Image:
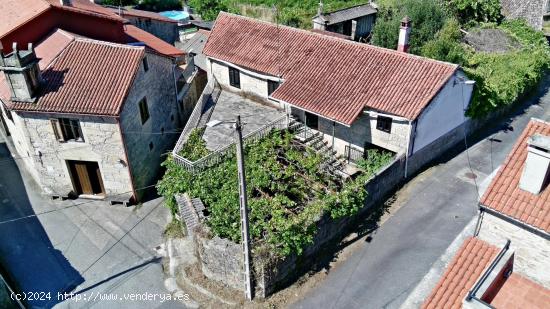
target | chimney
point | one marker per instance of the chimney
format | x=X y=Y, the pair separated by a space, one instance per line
x=536 y=173
x=404 y=34
x=22 y=73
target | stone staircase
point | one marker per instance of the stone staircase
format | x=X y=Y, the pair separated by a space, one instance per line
x=334 y=163
x=190 y=211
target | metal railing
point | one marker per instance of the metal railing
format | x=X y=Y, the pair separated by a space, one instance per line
x=195 y=117
x=353 y=154
x=217 y=156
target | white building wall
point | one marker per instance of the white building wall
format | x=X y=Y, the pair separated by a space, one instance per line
x=444 y=113
x=252 y=86
x=24 y=151
x=532 y=258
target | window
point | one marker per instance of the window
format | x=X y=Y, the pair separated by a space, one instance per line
x=312 y=121
x=234 y=78
x=271 y=86
x=151 y=146
x=143 y=110
x=145 y=64
x=8 y=114
x=66 y=129
x=383 y=123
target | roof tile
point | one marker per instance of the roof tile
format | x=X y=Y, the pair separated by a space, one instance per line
x=333 y=77
x=504 y=194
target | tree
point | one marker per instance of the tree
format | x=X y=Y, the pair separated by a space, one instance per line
x=475 y=10
x=427 y=17
x=447 y=45
x=119 y=2
x=209 y=9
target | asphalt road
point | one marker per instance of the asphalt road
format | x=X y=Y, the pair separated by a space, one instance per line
x=441 y=201
x=103 y=253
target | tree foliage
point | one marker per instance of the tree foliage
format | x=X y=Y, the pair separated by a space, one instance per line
x=195 y=147
x=209 y=9
x=468 y=11
x=447 y=45
x=427 y=17
x=288 y=193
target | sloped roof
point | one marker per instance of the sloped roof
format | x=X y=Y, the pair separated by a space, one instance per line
x=156 y=44
x=353 y=12
x=473 y=257
x=140 y=13
x=18 y=12
x=504 y=194
x=81 y=76
x=332 y=77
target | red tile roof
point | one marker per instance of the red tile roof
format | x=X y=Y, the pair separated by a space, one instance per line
x=18 y=12
x=84 y=77
x=15 y=13
x=332 y=77
x=462 y=273
x=124 y=12
x=504 y=194
x=520 y=292
x=137 y=35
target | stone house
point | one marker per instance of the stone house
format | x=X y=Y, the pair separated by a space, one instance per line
x=357 y=95
x=164 y=28
x=511 y=249
x=533 y=11
x=92 y=118
x=355 y=22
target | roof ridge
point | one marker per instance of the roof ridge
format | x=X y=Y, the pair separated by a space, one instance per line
x=535 y=119
x=357 y=44
x=351 y=7
x=100 y=42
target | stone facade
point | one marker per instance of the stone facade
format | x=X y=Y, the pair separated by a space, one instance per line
x=166 y=31
x=128 y=152
x=148 y=143
x=532 y=252
x=530 y=10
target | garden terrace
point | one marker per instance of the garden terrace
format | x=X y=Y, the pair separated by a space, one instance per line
x=287 y=189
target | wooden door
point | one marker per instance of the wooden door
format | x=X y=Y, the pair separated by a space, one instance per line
x=86 y=177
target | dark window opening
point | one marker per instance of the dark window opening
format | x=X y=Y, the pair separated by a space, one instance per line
x=9 y=115
x=161 y=131
x=66 y=129
x=272 y=86
x=383 y=123
x=172 y=118
x=151 y=146
x=181 y=83
x=143 y=110
x=145 y=64
x=312 y=121
x=234 y=78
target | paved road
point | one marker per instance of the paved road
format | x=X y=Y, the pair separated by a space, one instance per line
x=83 y=248
x=441 y=201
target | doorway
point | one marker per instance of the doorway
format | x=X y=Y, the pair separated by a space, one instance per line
x=86 y=178
x=312 y=121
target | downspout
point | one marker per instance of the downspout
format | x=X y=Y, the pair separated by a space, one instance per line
x=408 y=149
x=333 y=129
x=127 y=161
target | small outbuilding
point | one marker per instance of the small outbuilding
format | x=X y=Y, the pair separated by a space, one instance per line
x=356 y=22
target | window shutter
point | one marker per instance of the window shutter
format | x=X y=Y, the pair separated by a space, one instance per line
x=56 y=129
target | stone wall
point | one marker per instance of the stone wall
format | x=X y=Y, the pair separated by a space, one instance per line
x=532 y=252
x=148 y=143
x=530 y=10
x=166 y=31
x=102 y=143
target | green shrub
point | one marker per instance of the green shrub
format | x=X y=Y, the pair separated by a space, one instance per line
x=468 y=11
x=209 y=9
x=287 y=193
x=195 y=147
x=159 y=5
x=447 y=45
x=427 y=17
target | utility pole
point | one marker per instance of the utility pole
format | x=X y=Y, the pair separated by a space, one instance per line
x=245 y=235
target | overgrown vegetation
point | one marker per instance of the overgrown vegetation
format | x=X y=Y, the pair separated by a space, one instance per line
x=474 y=11
x=174 y=229
x=427 y=16
x=195 y=147
x=287 y=190
x=148 y=5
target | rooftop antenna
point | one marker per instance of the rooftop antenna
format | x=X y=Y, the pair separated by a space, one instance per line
x=320 y=9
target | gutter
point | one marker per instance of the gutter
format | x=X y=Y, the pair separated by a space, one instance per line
x=515 y=222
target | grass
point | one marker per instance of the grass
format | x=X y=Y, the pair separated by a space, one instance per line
x=174 y=229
